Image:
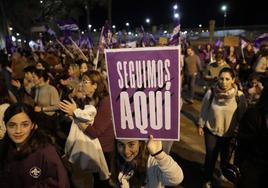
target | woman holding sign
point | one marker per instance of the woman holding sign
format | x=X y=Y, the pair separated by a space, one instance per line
x=138 y=164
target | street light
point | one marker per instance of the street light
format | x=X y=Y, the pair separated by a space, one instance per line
x=175 y=7
x=224 y=9
x=176 y=15
x=148 y=20
x=127 y=24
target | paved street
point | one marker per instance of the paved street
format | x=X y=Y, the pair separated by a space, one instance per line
x=189 y=152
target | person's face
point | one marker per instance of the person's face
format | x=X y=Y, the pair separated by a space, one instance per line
x=220 y=61
x=39 y=66
x=36 y=80
x=249 y=47
x=88 y=87
x=226 y=81
x=83 y=68
x=254 y=82
x=28 y=76
x=190 y=52
x=128 y=149
x=19 y=128
x=70 y=71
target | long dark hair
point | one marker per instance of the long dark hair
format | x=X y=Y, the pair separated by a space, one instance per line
x=139 y=165
x=35 y=140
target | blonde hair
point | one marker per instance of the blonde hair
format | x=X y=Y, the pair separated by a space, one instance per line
x=75 y=68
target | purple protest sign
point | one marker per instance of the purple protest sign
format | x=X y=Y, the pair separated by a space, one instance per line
x=144 y=91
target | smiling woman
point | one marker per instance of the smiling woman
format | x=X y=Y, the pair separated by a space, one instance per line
x=30 y=151
x=140 y=164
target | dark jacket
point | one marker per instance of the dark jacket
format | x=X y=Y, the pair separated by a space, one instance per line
x=40 y=169
x=253 y=139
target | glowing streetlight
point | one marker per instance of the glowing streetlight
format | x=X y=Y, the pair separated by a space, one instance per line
x=89 y=26
x=82 y=32
x=127 y=24
x=224 y=9
x=176 y=15
x=113 y=26
x=41 y=2
x=147 y=20
x=200 y=25
x=10 y=28
x=17 y=34
x=13 y=38
x=94 y=30
x=175 y=7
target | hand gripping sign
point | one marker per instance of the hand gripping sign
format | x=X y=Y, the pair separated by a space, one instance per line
x=144 y=91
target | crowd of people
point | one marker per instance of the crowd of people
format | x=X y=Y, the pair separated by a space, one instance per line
x=43 y=95
x=47 y=99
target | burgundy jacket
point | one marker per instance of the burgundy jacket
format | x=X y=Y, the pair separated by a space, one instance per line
x=41 y=169
x=102 y=127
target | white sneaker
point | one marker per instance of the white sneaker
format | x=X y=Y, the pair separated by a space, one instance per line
x=208 y=184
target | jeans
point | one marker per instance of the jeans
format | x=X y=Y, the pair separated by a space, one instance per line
x=215 y=145
x=190 y=80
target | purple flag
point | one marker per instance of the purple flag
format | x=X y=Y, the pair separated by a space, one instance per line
x=218 y=43
x=10 y=45
x=175 y=36
x=67 y=25
x=243 y=42
x=51 y=32
x=261 y=39
x=85 y=42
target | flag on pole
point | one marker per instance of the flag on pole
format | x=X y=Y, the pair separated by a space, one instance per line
x=51 y=32
x=67 y=25
x=85 y=42
x=10 y=45
x=261 y=39
x=175 y=36
x=243 y=43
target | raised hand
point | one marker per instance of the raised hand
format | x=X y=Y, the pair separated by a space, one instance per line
x=68 y=107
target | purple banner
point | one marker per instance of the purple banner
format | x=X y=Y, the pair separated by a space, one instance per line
x=144 y=90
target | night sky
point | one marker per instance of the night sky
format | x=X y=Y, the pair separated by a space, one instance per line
x=193 y=12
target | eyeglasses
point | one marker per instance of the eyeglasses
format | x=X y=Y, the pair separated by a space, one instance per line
x=86 y=82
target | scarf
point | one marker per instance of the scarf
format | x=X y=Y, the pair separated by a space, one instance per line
x=221 y=95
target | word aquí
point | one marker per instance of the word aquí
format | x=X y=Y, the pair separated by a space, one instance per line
x=145 y=74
